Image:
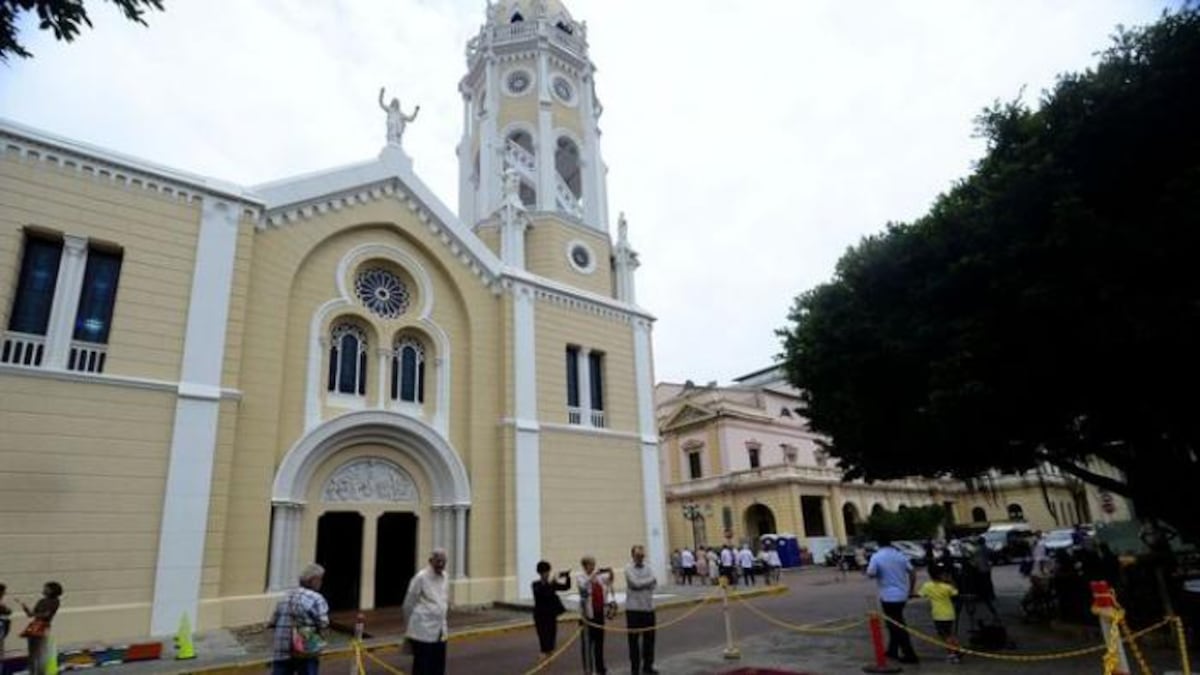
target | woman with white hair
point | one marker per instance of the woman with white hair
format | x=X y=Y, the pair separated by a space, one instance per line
x=298 y=620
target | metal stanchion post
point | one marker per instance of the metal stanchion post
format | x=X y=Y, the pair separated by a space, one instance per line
x=731 y=651
x=881 y=664
x=875 y=626
x=355 y=662
x=1104 y=606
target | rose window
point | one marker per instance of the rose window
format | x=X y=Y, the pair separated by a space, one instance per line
x=382 y=292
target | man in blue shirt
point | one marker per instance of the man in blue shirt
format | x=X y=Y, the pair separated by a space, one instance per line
x=894 y=576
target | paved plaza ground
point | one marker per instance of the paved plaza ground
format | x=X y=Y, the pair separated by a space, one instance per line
x=691 y=640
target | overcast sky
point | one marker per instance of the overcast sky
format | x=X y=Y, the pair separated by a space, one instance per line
x=749 y=143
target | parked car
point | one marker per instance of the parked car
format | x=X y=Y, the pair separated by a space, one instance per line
x=912 y=550
x=851 y=555
x=1008 y=542
x=1059 y=539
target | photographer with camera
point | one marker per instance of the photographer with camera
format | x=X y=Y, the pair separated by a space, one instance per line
x=596 y=603
x=547 y=606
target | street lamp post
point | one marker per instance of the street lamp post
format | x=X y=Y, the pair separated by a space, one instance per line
x=692 y=512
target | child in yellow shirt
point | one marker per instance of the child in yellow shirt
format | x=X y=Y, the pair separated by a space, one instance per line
x=941 y=605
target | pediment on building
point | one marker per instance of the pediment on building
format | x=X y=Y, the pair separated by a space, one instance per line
x=291 y=201
x=688 y=413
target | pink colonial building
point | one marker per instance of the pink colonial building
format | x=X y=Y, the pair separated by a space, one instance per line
x=738 y=461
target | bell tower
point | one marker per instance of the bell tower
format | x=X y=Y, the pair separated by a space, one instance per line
x=530 y=108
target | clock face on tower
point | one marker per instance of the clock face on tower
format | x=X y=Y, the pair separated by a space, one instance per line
x=563 y=89
x=518 y=81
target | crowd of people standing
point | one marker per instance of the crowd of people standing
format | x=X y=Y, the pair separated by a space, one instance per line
x=707 y=565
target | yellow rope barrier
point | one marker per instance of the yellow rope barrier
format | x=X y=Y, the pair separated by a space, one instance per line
x=386 y=666
x=1044 y=656
x=816 y=628
x=1137 y=650
x=557 y=653
x=610 y=628
x=1181 y=638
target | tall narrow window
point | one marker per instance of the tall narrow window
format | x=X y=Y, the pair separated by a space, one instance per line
x=98 y=296
x=35 y=286
x=752 y=452
x=408 y=371
x=694 y=469
x=596 y=377
x=572 y=376
x=348 y=360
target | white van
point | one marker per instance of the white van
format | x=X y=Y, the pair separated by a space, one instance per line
x=1007 y=542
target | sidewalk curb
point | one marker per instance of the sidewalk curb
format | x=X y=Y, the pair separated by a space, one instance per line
x=387 y=645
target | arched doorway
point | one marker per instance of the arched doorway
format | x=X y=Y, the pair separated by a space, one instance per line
x=401 y=481
x=850 y=519
x=978 y=515
x=759 y=520
x=339 y=551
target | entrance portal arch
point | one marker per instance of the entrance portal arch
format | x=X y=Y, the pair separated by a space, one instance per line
x=421 y=446
x=759 y=520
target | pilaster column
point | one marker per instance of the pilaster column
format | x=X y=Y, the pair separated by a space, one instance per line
x=384 y=375
x=184 y=526
x=460 y=541
x=61 y=327
x=652 y=497
x=527 y=490
x=317 y=348
x=285 y=544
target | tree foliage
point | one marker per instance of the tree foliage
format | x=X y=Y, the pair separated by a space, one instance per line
x=64 y=17
x=914 y=523
x=1046 y=309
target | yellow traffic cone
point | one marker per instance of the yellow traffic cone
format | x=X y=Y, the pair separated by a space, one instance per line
x=51 y=655
x=184 y=649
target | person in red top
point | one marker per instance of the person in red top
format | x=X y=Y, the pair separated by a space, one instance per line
x=595 y=601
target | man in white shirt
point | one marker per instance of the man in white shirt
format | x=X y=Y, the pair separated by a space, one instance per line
x=746 y=561
x=687 y=560
x=639 y=612
x=425 y=607
x=727 y=564
x=896 y=579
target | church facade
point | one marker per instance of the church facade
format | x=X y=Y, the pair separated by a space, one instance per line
x=204 y=386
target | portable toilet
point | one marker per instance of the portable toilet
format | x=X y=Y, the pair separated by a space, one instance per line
x=767 y=541
x=789 y=549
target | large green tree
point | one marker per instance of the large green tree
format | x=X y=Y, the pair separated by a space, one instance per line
x=64 y=17
x=1047 y=308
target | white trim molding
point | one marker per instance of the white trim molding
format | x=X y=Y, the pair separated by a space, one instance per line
x=652 y=496
x=184 y=524
x=527 y=490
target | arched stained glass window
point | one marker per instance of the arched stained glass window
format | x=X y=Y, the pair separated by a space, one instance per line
x=408 y=370
x=347 y=359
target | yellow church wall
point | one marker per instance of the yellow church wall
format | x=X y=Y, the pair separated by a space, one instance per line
x=558 y=326
x=84 y=467
x=275 y=353
x=158 y=235
x=517 y=109
x=598 y=476
x=546 y=254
